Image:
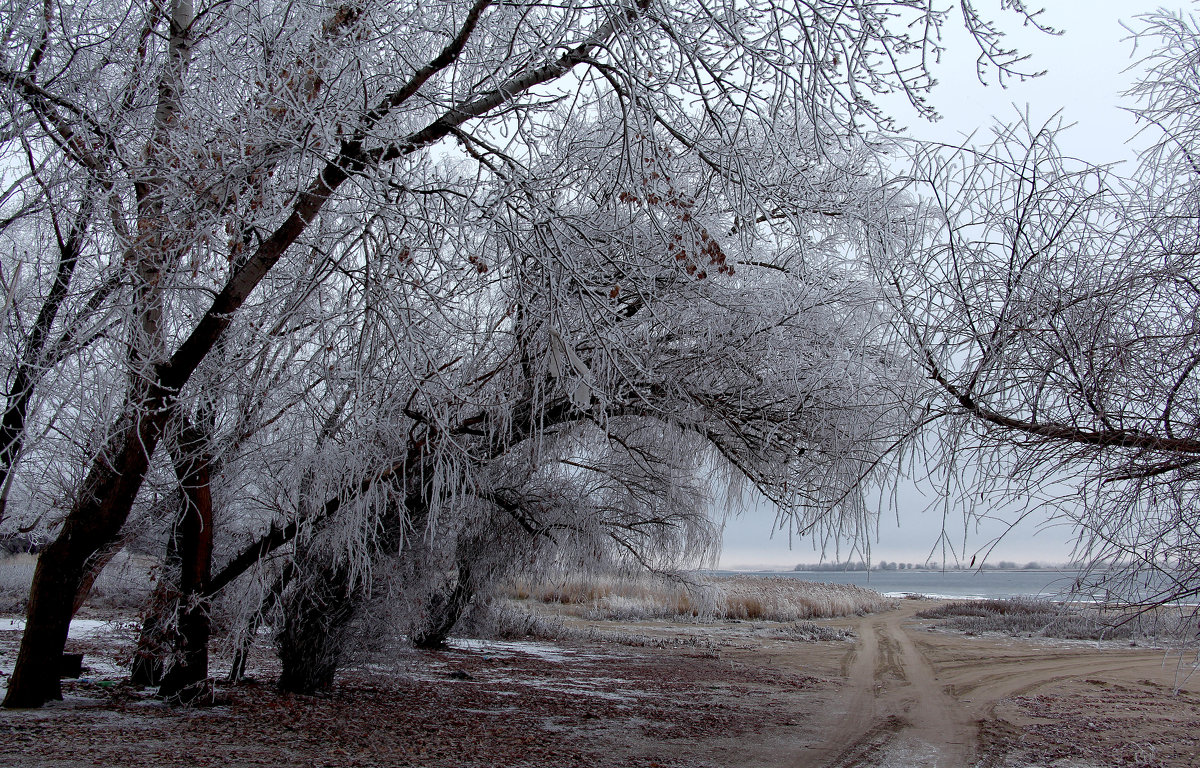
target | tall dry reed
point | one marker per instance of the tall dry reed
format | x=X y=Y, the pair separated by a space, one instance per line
x=700 y=598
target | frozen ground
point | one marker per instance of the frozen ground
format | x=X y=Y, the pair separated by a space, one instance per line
x=895 y=693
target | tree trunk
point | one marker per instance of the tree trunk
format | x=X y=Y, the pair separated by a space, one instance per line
x=316 y=615
x=195 y=535
x=36 y=677
x=94 y=522
x=153 y=640
x=96 y=565
x=444 y=612
x=156 y=634
x=237 y=670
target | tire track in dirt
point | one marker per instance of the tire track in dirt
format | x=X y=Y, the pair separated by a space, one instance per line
x=920 y=698
x=981 y=676
x=1026 y=675
x=895 y=710
x=858 y=735
x=868 y=748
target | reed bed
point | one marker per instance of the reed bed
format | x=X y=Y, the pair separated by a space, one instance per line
x=707 y=598
x=786 y=599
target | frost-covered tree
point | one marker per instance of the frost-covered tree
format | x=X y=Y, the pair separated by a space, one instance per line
x=1053 y=306
x=265 y=236
x=611 y=362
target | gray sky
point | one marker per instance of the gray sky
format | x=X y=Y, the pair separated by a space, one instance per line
x=1088 y=67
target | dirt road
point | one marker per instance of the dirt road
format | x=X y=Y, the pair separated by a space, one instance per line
x=914 y=697
x=895 y=710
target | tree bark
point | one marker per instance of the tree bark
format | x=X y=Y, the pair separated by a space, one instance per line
x=193 y=464
x=94 y=522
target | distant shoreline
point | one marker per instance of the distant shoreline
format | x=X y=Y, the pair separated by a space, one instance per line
x=959 y=584
x=948 y=569
x=950 y=584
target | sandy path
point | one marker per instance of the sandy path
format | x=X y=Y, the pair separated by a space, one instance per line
x=894 y=710
x=918 y=698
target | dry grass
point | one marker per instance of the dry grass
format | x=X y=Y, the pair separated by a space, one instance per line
x=123 y=584
x=1042 y=618
x=782 y=598
x=808 y=632
x=16 y=574
x=710 y=598
x=518 y=620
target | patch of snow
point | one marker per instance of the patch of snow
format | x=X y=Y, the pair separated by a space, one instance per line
x=582 y=690
x=80 y=629
x=581 y=687
x=909 y=752
x=544 y=651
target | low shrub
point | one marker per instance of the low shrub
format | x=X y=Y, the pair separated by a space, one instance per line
x=808 y=632
x=501 y=620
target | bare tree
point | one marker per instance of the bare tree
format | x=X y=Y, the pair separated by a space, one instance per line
x=1053 y=305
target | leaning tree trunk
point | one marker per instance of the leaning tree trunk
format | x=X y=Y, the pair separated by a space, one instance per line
x=316 y=615
x=94 y=522
x=95 y=567
x=444 y=611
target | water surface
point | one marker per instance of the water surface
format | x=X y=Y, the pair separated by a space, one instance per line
x=946 y=584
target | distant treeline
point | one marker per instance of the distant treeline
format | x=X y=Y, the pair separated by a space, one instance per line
x=886 y=565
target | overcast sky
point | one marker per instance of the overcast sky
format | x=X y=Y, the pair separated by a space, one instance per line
x=1087 y=68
